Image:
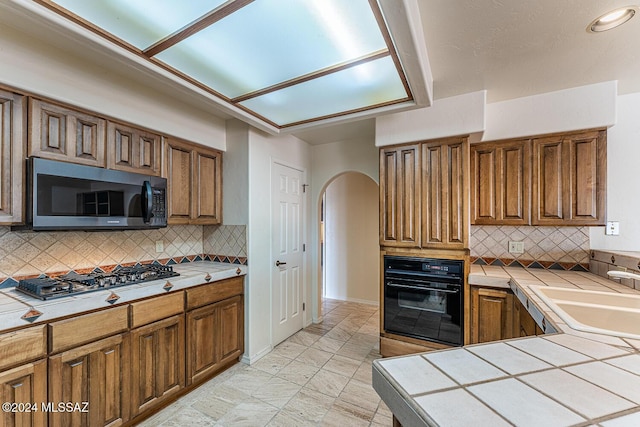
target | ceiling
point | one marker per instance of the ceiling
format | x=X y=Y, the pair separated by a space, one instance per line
x=519 y=48
x=509 y=48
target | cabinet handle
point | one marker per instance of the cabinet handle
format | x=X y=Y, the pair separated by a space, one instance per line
x=16 y=385
x=74 y=364
x=278 y=263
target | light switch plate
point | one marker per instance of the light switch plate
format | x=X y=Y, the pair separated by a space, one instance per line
x=159 y=246
x=613 y=228
x=516 y=247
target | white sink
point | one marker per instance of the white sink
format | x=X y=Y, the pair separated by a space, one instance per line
x=593 y=311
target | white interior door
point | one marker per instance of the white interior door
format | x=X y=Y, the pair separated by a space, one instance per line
x=286 y=283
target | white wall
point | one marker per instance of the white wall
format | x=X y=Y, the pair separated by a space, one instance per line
x=582 y=107
x=329 y=161
x=263 y=150
x=38 y=68
x=623 y=178
x=352 y=263
x=235 y=174
x=457 y=115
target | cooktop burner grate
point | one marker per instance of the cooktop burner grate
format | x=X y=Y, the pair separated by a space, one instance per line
x=45 y=288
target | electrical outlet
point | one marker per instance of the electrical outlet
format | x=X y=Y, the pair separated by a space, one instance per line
x=613 y=228
x=159 y=246
x=516 y=247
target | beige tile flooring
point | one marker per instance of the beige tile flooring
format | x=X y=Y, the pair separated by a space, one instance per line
x=319 y=376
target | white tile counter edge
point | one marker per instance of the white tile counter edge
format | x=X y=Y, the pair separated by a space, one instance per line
x=409 y=413
x=13 y=304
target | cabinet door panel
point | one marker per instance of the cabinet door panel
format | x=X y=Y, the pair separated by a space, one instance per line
x=551 y=165
x=93 y=373
x=231 y=330
x=445 y=194
x=400 y=196
x=388 y=196
x=13 y=130
x=432 y=188
x=157 y=363
x=515 y=183
x=201 y=345
x=587 y=172
x=207 y=198
x=133 y=150
x=60 y=133
x=179 y=184
x=456 y=196
x=24 y=384
x=483 y=183
x=491 y=314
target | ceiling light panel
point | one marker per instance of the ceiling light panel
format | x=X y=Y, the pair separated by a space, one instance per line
x=271 y=41
x=374 y=83
x=140 y=23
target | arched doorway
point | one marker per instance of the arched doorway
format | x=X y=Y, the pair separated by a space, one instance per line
x=349 y=251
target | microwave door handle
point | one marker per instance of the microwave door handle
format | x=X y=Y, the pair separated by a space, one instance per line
x=147 y=202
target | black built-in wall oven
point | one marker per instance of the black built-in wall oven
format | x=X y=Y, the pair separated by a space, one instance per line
x=423 y=298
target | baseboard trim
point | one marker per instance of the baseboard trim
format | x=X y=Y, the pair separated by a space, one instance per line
x=360 y=301
x=250 y=360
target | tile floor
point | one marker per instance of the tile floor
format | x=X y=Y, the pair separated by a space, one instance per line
x=320 y=376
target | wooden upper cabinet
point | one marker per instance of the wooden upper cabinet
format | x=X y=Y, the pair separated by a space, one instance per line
x=207 y=187
x=445 y=194
x=13 y=133
x=400 y=196
x=569 y=179
x=587 y=178
x=501 y=183
x=194 y=175
x=134 y=150
x=60 y=133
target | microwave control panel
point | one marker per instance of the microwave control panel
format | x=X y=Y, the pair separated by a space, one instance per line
x=159 y=205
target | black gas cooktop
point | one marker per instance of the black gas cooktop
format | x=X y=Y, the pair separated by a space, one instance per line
x=73 y=283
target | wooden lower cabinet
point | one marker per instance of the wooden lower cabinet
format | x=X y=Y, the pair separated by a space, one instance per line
x=97 y=373
x=526 y=325
x=491 y=314
x=215 y=337
x=497 y=314
x=26 y=384
x=157 y=363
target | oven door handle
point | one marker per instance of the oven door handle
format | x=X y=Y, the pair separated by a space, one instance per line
x=419 y=288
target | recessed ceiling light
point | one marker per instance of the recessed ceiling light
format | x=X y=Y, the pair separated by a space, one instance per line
x=612 y=19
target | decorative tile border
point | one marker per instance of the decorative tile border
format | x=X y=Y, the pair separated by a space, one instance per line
x=548 y=265
x=9 y=282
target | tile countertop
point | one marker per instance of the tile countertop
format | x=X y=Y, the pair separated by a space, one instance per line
x=14 y=305
x=570 y=378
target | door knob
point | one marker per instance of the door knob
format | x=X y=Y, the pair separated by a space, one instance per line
x=278 y=263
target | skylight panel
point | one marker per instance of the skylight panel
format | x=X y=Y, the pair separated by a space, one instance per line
x=371 y=84
x=140 y=23
x=271 y=41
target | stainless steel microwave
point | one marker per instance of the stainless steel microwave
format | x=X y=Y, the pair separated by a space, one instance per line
x=66 y=196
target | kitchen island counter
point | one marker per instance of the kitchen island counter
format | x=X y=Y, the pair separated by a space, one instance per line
x=565 y=379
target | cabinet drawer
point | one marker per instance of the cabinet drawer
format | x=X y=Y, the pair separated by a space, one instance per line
x=90 y=327
x=22 y=346
x=157 y=308
x=212 y=292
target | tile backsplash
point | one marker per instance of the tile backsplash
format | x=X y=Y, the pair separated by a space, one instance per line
x=545 y=247
x=226 y=241
x=603 y=261
x=25 y=253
